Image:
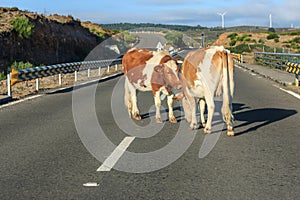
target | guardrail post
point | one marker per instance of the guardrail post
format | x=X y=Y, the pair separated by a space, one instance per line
x=59 y=80
x=37 y=84
x=116 y=67
x=89 y=72
x=75 y=76
x=99 y=71
x=8 y=85
x=108 y=68
x=297 y=80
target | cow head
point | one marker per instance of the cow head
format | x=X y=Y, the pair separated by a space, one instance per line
x=168 y=73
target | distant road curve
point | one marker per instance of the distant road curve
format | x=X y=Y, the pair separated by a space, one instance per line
x=149 y=40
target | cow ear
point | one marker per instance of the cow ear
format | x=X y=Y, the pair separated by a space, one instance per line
x=158 y=68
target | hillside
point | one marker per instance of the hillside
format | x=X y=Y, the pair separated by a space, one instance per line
x=247 y=43
x=53 y=39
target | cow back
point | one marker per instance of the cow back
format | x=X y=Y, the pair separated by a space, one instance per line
x=135 y=58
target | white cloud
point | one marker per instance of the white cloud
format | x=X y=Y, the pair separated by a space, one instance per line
x=204 y=13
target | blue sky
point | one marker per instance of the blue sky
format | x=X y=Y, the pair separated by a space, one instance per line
x=187 y=12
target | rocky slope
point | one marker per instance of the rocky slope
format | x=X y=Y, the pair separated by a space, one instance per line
x=55 y=39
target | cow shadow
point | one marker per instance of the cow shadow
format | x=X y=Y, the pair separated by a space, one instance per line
x=164 y=112
x=258 y=118
x=244 y=116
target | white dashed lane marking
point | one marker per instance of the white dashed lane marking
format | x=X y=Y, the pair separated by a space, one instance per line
x=110 y=162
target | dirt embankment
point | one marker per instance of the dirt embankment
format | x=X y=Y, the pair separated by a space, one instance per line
x=256 y=38
x=55 y=39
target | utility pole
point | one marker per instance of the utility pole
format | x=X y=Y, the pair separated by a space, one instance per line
x=202 y=41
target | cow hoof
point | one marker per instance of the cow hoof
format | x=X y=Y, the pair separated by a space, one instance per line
x=203 y=125
x=173 y=120
x=230 y=133
x=158 y=120
x=137 y=117
x=207 y=131
x=188 y=120
x=193 y=126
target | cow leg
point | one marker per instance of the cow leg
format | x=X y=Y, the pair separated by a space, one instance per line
x=172 y=118
x=202 y=109
x=190 y=101
x=228 y=118
x=187 y=110
x=157 y=105
x=127 y=98
x=134 y=109
x=230 y=131
x=211 y=109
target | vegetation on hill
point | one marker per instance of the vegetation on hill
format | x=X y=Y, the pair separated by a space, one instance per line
x=239 y=42
x=38 y=39
x=149 y=26
x=22 y=26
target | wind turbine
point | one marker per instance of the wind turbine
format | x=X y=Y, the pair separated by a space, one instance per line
x=270 y=17
x=222 y=15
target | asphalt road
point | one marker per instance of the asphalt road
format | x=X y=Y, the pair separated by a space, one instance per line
x=150 y=40
x=50 y=147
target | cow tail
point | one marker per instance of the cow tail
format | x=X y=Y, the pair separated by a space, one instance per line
x=231 y=74
x=227 y=88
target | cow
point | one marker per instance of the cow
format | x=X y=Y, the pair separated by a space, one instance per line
x=207 y=73
x=146 y=70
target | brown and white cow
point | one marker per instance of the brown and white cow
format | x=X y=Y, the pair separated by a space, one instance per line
x=146 y=70
x=207 y=73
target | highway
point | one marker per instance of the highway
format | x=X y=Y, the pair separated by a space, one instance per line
x=52 y=145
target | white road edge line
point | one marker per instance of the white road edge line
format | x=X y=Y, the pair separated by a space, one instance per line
x=110 y=162
x=19 y=101
x=290 y=92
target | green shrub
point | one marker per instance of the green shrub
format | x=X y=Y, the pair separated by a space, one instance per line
x=174 y=38
x=261 y=41
x=247 y=39
x=232 y=42
x=2 y=76
x=232 y=36
x=127 y=37
x=239 y=49
x=272 y=36
x=294 y=45
x=244 y=37
x=276 y=40
x=20 y=65
x=100 y=35
x=296 y=40
x=22 y=26
x=291 y=33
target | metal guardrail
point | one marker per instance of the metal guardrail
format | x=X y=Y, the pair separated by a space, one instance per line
x=44 y=71
x=64 y=68
x=276 y=60
x=284 y=61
